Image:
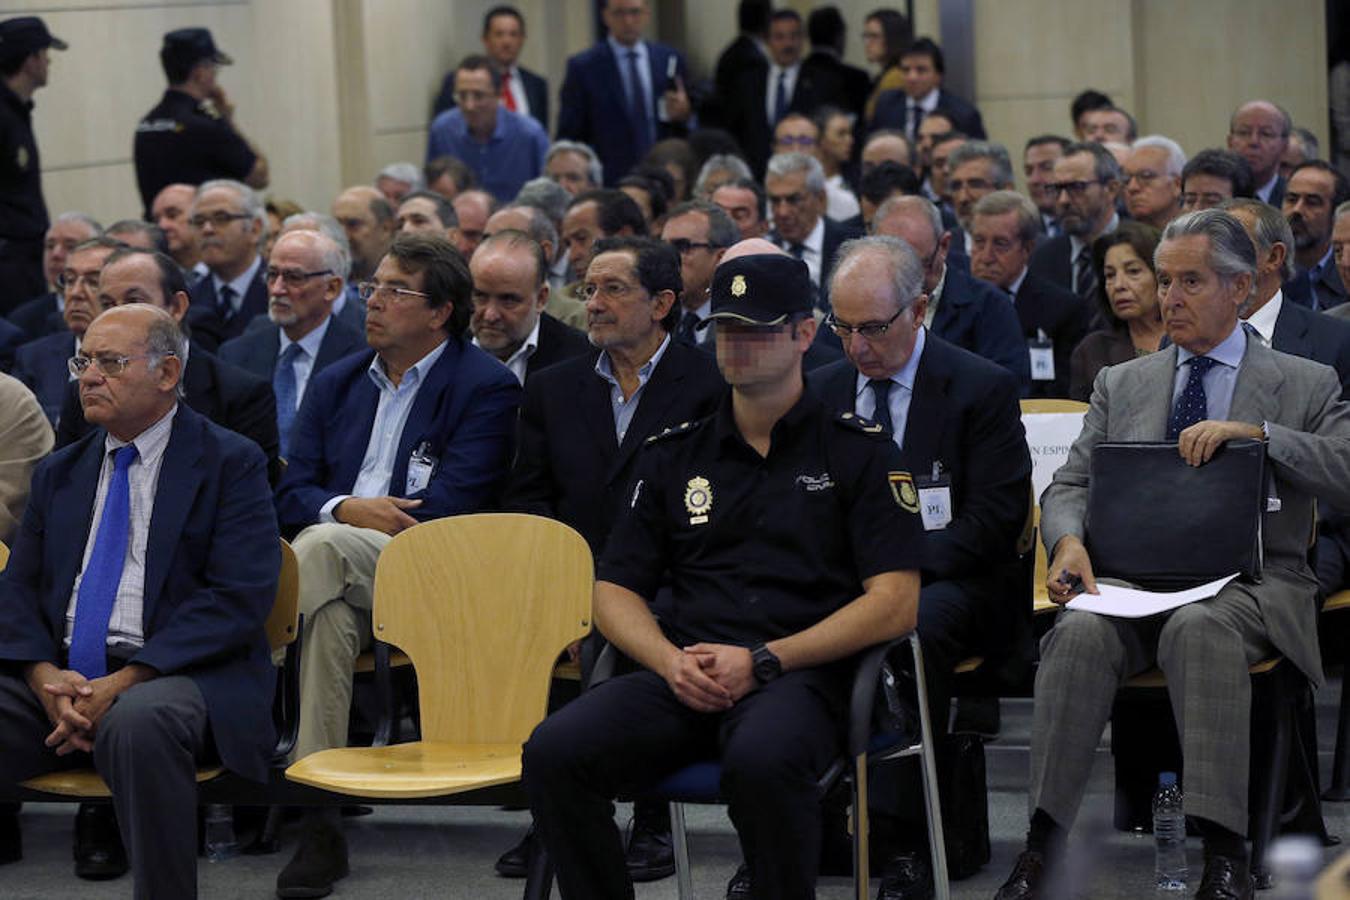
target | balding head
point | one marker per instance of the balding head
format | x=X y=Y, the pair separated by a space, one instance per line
x=305 y=275
x=751 y=247
x=368 y=220
x=917 y=222
x=133 y=395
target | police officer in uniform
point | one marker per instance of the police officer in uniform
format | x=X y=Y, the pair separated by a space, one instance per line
x=24 y=45
x=789 y=539
x=190 y=137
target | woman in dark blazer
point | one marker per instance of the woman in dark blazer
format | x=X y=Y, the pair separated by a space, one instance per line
x=1127 y=297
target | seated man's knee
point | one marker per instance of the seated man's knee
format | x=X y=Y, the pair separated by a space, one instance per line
x=550 y=749
x=1191 y=629
x=321 y=539
x=136 y=719
x=759 y=770
x=1082 y=632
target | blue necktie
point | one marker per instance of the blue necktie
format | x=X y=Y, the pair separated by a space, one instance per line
x=283 y=385
x=780 y=98
x=1190 y=407
x=637 y=103
x=881 y=390
x=98 y=587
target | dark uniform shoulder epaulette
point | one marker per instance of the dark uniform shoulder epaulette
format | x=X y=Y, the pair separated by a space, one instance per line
x=675 y=431
x=855 y=422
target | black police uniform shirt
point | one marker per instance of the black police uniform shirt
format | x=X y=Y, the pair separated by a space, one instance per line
x=185 y=141
x=23 y=213
x=760 y=547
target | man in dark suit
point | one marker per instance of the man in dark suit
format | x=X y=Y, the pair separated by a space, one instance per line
x=956 y=420
x=835 y=82
x=41 y=364
x=41 y=315
x=1086 y=184
x=151 y=548
x=231 y=398
x=305 y=275
x=523 y=91
x=746 y=53
x=961 y=310
x=1259 y=132
x=795 y=185
x=1315 y=190
x=923 y=94
x=700 y=232
x=1004 y=228
x=417 y=428
x=229 y=219
x=624 y=94
x=510 y=291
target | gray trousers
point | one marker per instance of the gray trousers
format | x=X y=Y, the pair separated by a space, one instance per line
x=146 y=748
x=1204 y=649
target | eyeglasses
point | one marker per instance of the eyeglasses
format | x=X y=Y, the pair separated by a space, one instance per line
x=800 y=140
x=973 y=184
x=69 y=279
x=293 y=278
x=217 y=219
x=1075 y=188
x=610 y=290
x=387 y=292
x=107 y=365
x=868 y=330
x=1144 y=176
x=684 y=245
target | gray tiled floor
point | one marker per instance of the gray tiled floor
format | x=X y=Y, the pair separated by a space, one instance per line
x=448 y=852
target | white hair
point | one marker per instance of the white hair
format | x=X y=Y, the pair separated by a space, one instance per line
x=1176 y=157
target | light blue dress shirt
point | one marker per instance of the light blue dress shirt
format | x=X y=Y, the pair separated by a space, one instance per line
x=1219 y=380
x=625 y=409
x=865 y=401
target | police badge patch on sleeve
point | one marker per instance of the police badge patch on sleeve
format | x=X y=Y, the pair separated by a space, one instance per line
x=903 y=490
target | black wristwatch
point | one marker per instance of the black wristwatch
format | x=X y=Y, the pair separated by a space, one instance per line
x=766 y=665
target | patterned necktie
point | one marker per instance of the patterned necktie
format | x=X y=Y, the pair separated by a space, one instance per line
x=881 y=390
x=684 y=332
x=508 y=97
x=780 y=97
x=225 y=303
x=98 y=587
x=1084 y=278
x=636 y=103
x=284 y=386
x=1190 y=406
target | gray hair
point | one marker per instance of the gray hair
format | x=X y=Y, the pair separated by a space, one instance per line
x=1104 y=165
x=164 y=338
x=539 y=227
x=249 y=199
x=83 y=218
x=1176 y=157
x=405 y=172
x=720 y=162
x=1271 y=228
x=1000 y=203
x=997 y=154
x=1342 y=210
x=906 y=269
x=327 y=226
x=722 y=232
x=545 y=195
x=1307 y=141
x=593 y=166
x=148 y=230
x=1231 y=250
x=908 y=202
x=783 y=164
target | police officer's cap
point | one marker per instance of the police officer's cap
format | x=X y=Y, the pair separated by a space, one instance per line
x=762 y=289
x=187 y=46
x=23 y=35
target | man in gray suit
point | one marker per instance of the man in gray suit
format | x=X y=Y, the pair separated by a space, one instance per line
x=1213 y=385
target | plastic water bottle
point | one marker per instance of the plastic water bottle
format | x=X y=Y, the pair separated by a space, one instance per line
x=219 y=838
x=1169 y=835
x=1294 y=861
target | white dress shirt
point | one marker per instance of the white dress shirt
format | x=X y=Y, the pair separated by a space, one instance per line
x=521 y=358
x=771 y=91
x=1263 y=320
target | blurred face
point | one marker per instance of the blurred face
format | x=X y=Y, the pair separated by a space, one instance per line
x=915 y=230
x=743 y=207
x=689 y=235
x=1038 y=164
x=130 y=402
x=1340 y=247
x=581 y=229
x=1082 y=202
x=1294 y=155
x=836 y=144
x=967 y=183
x=516 y=220
x=393 y=189
x=476 y=99
x=1203 y=191
x=1258 y=135
x=571 y=170
x=507 y=298
x=796 y=210
x=642 y=198
x=1199 y=309
x=136 y=279
x=1103 y=125
x=300 y=293
x=785 y=41
x=937 y=173
x=472 y=209
x=796 y=134
x=862 y=294
x=56 y=246
x=80 y=279
x=997 y=253
x=226 y=234
x=402 y=324
x=752 y=355
x=502 y=40
x=625 y=20
x=921 y=75
x=887 y=148
x=1308 y=207
x=932 y=125
x=170 y=212
x=620 y=313
x=368 y=236
x=874 y=42
x=1150 y=193
x=419 y=216
x=1130 y=286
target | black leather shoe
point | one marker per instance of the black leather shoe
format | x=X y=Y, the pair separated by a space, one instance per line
x=99 y=854
x=907 y=876
x=1225 y=878
x=1026 y=879
x=738 y=888
x=320 y=860
x=650 y=855
x=515 y=863
x=11 y=835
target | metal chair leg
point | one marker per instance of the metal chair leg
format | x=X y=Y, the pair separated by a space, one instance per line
x=937 y=847
x=684 y=878
x=862 y=863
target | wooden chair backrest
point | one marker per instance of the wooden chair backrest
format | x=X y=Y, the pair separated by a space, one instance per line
x=4 y=555
x=1041 y=570
x=283 y=622
x=1052 y=405
x=483 y=605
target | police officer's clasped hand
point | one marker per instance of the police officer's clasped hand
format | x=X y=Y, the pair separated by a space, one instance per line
x=695 y=688
x=731 y=667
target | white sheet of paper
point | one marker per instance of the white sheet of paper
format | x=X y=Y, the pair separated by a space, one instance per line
x=1130 y=603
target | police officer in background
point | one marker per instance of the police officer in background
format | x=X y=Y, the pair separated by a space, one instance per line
x=24 y=42
x=791 y=543
x=190 y=137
